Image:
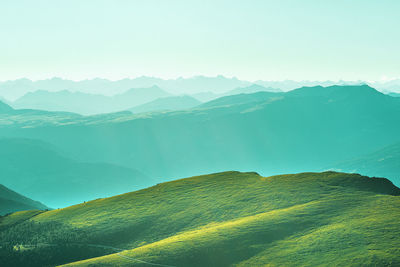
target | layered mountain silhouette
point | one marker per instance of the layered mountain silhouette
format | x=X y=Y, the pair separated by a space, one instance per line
x=167 y=104
x=222 y=219
x=305 y=129
x=11 y=201
x=88 y=104
x=12 y=90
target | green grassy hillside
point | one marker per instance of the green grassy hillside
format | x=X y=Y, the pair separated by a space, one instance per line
x=223 y=219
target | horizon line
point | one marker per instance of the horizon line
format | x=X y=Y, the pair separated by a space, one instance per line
x=383 y=80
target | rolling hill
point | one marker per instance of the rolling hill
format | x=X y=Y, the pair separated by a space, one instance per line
x=222 y=219
x=11 y=201
x=167 y=104
x=383 y=163
x=39 y=170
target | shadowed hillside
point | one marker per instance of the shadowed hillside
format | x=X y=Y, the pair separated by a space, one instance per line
x=11 y=201
x=224 y=219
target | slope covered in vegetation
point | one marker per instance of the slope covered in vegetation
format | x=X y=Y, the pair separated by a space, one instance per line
x=224 y=219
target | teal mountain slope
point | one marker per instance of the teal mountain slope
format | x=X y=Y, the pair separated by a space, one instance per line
x=240 y=99
x=76 y=102
x=167 y=104
x=254 y=88
x=4 y=108
x=382 y=163
x=13 y=90
x=11 y=201
x=87 y=104
x=394 y=94
x=305 y=129
x=223 y=219
x=39 y=170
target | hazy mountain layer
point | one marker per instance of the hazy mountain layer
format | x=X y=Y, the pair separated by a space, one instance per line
x=254 y=88
x=305 y=129
x=11 y=90
x=221 y=219
x=88 y=104
x=167 y=104
x=39 y=170
x=382 y=163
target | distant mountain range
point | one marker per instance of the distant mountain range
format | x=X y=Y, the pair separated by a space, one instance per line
x=305 y=129
x=136 y=100
x=222 y=219
x=254 y=88
x=11 y=201
x=12 y=90
x=39 y=170
x=88 y=104
x=167 y=104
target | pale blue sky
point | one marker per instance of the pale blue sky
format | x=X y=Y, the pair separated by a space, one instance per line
x=249 y=39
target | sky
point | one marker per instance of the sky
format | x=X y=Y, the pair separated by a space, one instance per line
x=251 y=40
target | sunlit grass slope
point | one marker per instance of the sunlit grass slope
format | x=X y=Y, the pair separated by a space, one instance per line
x=309 y=219
x=234 y=218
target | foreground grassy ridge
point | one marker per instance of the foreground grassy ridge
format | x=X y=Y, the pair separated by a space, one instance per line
x=340 y=231
x=237 y=218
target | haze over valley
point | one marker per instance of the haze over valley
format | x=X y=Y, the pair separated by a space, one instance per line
x=199 y=133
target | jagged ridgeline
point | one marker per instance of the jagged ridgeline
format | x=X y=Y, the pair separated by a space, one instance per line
x=222 y=219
